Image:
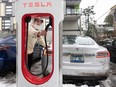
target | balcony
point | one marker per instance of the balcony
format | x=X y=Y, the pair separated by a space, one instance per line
x=73 y=2
x=72 y=14
x=7 y=1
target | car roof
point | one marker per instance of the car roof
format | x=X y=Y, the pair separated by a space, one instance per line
x=5 y=39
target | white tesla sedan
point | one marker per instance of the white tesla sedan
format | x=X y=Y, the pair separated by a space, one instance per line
x=84 y=59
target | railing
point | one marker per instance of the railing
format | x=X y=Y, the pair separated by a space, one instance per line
x=73 y=0
x=6 y=1
x=72 y=11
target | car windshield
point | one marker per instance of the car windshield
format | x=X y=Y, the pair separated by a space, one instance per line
x=74 y=39
x=10 y=36
x=6 y=35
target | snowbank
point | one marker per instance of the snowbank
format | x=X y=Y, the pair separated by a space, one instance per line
x=70 y=85
x=7 y=85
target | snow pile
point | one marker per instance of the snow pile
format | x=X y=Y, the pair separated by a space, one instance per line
x=84 y=86
x=8 y=81
x=66 y=85
x=7 y=85
x=88 y=86
x=97 y=86
x=69 y=85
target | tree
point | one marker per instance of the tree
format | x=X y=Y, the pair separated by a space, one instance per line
x=88 y=12
x=109 y=20
x=91 y=28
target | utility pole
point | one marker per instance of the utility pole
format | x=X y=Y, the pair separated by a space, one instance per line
x=88 y=22
x=80 y=26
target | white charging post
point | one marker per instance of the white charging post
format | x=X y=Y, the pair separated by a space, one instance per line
x=24 y=10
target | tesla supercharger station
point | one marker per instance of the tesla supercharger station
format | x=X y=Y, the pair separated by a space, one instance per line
x=51 y=14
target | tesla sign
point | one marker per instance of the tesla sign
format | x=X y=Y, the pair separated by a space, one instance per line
x=37 y=4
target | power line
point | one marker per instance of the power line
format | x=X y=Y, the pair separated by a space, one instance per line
x=95 y=3
x=102 y=15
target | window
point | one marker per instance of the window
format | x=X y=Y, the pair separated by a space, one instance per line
x=8 y=9
x=6 y=23
x=69 y=39
x=4 y=0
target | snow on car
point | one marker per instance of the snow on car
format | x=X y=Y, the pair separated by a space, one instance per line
x=83 y=59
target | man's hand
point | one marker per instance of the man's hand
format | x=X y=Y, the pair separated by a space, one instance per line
x=42 y=33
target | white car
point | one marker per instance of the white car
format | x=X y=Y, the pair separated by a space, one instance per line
x=83 y=59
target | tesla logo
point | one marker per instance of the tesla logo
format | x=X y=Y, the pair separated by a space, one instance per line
x=37 y=4
x=88 y=55
x=77 y=49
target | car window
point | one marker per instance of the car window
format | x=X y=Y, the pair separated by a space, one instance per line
x=69 y=39
x=84 y=41
x=73 y=39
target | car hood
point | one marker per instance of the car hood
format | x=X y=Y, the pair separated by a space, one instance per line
x=2 y=40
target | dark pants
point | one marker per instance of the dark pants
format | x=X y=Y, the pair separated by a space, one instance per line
x=30 y=60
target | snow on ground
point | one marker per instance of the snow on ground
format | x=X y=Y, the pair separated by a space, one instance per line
x=111 y=80
x=14 y=85
x=7 y=85
x=70 y=85
x=10 y=80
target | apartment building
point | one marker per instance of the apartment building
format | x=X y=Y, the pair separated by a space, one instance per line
x=7 y=15
x=72 y=15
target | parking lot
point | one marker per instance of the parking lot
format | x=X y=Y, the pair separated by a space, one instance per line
x=37 y=51
x=9 y=80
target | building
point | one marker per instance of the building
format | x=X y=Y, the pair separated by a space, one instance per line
x=7 y=15
x=104 y=31
x=72 y=15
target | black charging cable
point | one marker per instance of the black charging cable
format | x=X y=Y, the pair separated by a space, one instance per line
x=27 y=20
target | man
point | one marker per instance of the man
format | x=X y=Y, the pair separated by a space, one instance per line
x=34 y=34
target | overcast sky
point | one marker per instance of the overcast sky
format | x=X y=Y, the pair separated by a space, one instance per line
x=101 y=7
